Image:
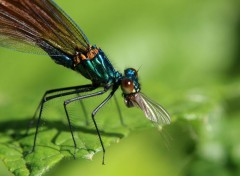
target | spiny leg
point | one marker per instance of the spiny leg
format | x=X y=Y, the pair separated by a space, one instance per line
x=40 y=105
x=94 y=121
x=84 y=88
x=68 y=118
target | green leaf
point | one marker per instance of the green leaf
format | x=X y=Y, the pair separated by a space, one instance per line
x=188 y=55
x=54 y=141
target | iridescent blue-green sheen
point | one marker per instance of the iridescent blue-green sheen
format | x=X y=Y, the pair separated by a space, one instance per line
x=98 y=69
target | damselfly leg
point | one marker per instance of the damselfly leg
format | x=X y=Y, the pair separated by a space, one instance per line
x=93 y=114
x=64 y=92
x=80 y=89
x=70 y=91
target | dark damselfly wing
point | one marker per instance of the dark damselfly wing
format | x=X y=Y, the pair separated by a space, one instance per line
x=35 y=26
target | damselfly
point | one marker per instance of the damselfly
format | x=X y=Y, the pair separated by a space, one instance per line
x=41 y=26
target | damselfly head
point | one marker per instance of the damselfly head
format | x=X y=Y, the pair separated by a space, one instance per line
x=134 y=98
x=129 y=82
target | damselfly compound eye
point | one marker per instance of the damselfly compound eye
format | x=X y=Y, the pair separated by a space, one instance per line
x=127 y=86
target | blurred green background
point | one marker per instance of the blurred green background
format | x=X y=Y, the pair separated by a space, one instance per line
x=188 y=53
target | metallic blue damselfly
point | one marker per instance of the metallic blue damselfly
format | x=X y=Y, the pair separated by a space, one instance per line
x=41 y=26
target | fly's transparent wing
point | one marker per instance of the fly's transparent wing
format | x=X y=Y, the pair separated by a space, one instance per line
x=151 y=109
x=28 y=25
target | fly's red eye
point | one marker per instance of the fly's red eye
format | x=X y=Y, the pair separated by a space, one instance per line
x=127 y=86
